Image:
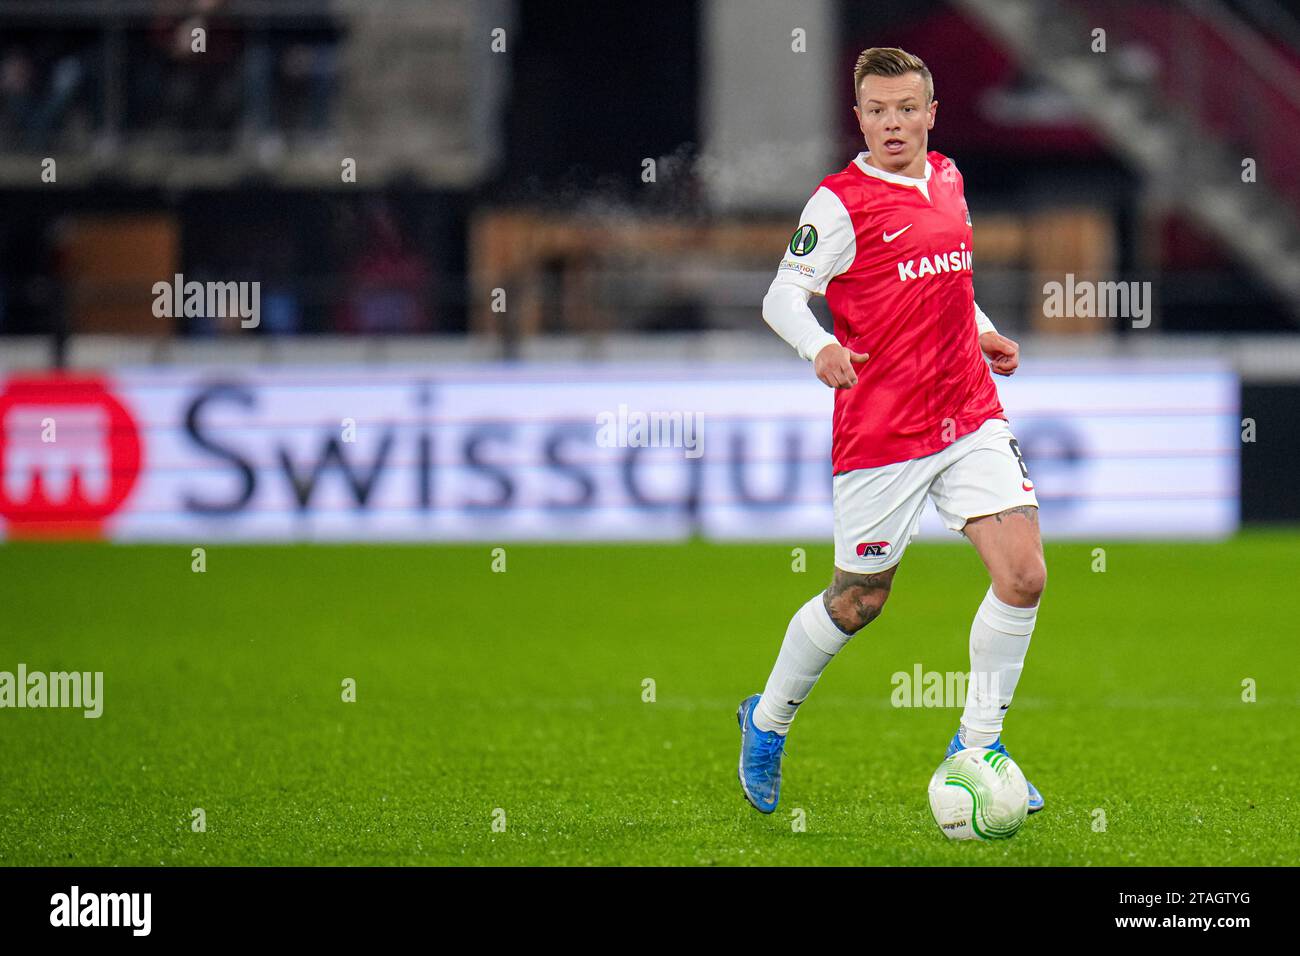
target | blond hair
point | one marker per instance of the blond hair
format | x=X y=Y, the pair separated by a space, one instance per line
x=890 y=61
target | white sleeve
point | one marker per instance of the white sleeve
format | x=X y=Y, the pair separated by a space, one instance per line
x=982 y=322
x=821 y=248
x=785 y=309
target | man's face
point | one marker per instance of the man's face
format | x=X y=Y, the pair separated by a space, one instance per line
x=896 y=120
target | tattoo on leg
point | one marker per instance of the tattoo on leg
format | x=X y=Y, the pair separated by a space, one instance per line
x=865 y=611
x=1029 y=511
x=859 y=597
x=844 y=581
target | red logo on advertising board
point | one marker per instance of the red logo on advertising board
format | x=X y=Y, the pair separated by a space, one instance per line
x=69 y=455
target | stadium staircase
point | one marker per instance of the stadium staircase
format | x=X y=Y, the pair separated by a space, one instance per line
x=1222 y=93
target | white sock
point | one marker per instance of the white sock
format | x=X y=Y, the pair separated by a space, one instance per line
x=999 y=638
x=811 y=640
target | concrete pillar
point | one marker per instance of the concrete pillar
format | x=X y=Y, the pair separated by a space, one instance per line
x=768 y=117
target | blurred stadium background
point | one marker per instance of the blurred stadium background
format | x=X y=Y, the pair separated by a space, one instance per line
x=476 y=228
x=423 y=187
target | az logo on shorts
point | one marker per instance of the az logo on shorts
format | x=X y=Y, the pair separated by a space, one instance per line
x=873 y=549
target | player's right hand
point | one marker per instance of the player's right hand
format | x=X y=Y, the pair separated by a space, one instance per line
x=834 y=366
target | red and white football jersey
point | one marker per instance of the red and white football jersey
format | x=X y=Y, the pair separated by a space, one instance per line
x=893 y=256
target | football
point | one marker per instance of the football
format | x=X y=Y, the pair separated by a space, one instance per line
x=979 y=794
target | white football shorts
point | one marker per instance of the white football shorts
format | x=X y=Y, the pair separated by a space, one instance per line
x=878 y=510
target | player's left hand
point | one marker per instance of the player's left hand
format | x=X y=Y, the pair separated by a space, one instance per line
x=1004 y=354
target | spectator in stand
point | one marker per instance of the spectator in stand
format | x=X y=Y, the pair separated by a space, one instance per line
x=388 y=284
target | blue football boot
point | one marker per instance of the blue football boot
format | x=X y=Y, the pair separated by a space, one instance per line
x=760 y=759
x=1035 y=798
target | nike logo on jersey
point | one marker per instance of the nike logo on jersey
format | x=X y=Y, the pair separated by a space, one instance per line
x=888 y=238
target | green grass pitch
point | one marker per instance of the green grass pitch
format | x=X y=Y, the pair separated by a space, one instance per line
x=523 y=691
